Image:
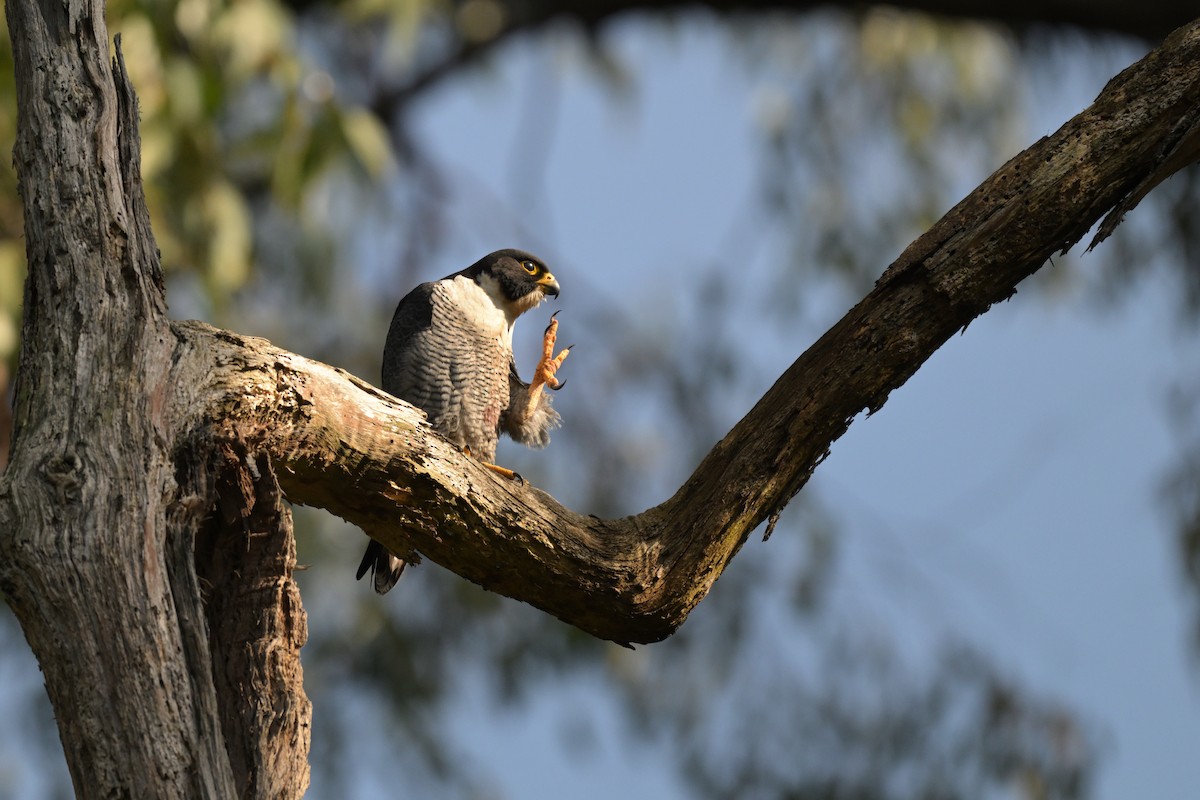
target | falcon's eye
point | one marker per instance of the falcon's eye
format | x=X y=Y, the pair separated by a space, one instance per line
x=530 y=267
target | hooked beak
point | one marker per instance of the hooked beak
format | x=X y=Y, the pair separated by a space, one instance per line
x=549 y=284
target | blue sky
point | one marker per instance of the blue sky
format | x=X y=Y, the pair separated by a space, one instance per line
x=1041 y=431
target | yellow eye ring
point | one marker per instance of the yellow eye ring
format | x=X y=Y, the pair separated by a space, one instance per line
x=530 y=267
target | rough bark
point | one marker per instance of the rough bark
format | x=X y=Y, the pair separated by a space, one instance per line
x=95 y=602
x=343 y=445
x=245 y=555
x=96 y=549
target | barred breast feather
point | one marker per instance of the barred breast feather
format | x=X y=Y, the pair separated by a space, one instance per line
x=448 y=352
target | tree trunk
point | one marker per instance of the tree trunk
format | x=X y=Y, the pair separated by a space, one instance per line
x=96 y=549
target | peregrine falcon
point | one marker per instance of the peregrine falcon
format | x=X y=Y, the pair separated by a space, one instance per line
x=449 y=353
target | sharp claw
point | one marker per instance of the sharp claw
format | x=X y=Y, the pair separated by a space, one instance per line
x=555 y=314
x=570 y=346
x=517 y=477
x=561 y=384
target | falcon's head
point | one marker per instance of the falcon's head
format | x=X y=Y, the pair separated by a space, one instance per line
x=516 y=280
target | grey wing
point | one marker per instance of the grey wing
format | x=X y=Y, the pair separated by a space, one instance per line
x=410 y=332
x=412 y=320
x=534 y=429
x=413 y=317
x=417 y=367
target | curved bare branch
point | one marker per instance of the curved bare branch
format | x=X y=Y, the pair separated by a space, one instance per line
x=341 y=444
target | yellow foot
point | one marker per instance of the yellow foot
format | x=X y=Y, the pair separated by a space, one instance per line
x=496 y=468
x=546 y=369
x=505 y=471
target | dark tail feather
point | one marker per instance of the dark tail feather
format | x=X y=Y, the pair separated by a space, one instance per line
x=387 y=567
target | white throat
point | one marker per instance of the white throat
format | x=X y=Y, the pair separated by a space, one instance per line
x=483 y=304
x=511 y=310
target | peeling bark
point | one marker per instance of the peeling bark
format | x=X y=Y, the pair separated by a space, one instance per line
x=84 y=537
x=96 y=555
x=245 y=556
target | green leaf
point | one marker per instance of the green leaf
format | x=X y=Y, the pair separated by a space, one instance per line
x=368 y=141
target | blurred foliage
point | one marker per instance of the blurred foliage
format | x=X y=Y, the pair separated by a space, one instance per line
x=281 y=173
x=1182 y=487
x=12 y=244
x=238 y=119
x=902 y=100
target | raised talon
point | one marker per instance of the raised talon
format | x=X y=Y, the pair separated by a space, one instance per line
x=549 y=364
x=557 y=383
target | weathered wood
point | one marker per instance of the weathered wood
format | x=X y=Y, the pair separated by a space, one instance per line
x=96 y=555
x=245 y=557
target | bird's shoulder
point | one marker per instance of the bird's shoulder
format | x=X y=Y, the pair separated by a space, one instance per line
x=456 y=302
x=414 y=313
